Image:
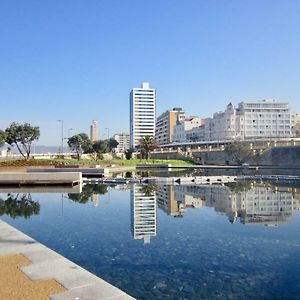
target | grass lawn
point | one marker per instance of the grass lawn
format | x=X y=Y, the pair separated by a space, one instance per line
x=117 y=162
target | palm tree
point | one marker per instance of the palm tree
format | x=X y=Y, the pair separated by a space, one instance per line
x=147 y=144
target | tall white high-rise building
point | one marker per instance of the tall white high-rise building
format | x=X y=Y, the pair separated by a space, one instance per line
x=142 y=113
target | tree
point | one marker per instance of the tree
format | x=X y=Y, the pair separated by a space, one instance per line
x=238 y=151
x=22 y=136
x=112 y=143
x=80 y=143
x=100 y=147
x=147 y=144
x=2 y=138
x=128 y=154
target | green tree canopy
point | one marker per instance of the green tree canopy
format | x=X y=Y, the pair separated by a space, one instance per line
x=80 y=143
x=22 y=136
x=112 y=143
x=128 y=154
x=2 y=138
x=239 y=152
x=100 y=147
x=147 y=144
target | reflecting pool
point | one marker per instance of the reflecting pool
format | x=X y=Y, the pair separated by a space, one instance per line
x=172 y=242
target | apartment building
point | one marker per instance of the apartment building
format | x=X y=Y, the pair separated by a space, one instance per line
x=251 y=120
x=124 y=140
x=142 y=113
x=183 y=127
x=264 y=119
x=165 y=123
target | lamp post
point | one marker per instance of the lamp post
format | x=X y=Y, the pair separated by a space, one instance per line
x=69 y=130
x=108 y=138
x=62 y=136
x=107 y=133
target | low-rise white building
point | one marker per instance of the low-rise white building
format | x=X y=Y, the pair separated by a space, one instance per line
x=182 y=128
x=251 y=120
x=124 y=140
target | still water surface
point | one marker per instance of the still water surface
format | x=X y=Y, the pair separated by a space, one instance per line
x=173 y=242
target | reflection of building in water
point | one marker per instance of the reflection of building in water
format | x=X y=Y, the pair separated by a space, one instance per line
x=262 y=205
x=255 y=205
x=143 y=213
x=95 y=199
x=166 y=201
x=122 y=187
x=296 y=195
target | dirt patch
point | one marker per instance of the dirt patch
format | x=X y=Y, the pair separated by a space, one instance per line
x=14 y=284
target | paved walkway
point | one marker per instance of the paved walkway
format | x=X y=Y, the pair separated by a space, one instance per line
x=30 y=268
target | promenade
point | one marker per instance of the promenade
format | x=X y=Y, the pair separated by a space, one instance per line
x=31 y=271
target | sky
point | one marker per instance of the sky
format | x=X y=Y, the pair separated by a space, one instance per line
x=77 y=60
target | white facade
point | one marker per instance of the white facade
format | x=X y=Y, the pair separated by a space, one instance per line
x=182 y=128
x=296 y=124
x=142 y=113
x=143 y=214
x=123 y=139
x=251 y=120
x=265 y=119
x=225 y=125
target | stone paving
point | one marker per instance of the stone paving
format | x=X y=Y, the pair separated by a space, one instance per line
x=47 y=264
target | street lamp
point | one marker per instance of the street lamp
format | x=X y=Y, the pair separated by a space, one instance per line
x=107 y=133
x=69 y=130
x=62 y=136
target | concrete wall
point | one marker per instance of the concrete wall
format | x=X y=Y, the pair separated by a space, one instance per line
x=281 y=156
x=71 y=170
x=41 y=177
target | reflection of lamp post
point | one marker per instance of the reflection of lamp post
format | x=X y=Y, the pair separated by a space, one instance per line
x=62 y=136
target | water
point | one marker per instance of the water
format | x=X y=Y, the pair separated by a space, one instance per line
x=205 y=242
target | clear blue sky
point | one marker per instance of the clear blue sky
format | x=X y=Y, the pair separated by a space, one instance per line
x=78 y=60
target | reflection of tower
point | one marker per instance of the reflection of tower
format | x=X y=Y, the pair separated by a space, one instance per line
x=95 y=199
x=94 y=131
x=143 y=213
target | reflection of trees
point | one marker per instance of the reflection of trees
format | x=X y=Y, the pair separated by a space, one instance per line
x=237 y=187
x=148 y=190
x=87 y=192
x=19 y=205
